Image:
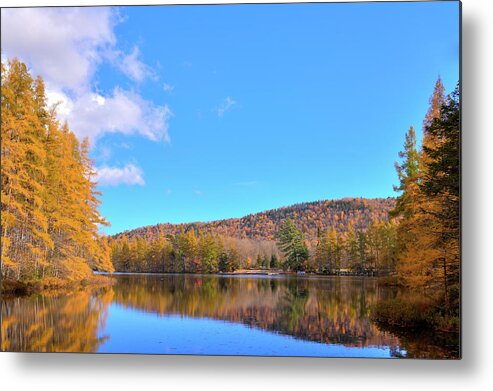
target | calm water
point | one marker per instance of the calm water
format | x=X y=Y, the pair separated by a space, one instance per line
x=190 y=314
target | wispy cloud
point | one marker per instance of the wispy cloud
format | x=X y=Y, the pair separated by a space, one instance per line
x=133 y=67
x=225 y=105
x=168 y=87
x=247 y=183
x=198 y=192
x=114 y=176
x=124 y=145
x=104 y=154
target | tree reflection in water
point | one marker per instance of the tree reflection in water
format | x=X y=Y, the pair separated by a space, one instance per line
x=325 y=310
x=55 y=323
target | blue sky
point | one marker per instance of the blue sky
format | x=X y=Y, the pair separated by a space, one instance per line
x=210 y=112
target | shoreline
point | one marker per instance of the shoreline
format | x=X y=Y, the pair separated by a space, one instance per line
x=245 y=273
x=22 y=288
x=25 y=288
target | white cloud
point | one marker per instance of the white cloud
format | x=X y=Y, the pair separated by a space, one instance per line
x=93 y=115
x=226 y=105
x=65 y=46
x=63 y=103
x=198 y=193
x=114 y=176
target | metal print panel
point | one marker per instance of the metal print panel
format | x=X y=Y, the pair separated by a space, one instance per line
x=261 y=179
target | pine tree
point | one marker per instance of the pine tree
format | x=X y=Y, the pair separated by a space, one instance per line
x=291 y=242
x=428 y=207
x=441 y=183
x=412 y=256
x=408 y=174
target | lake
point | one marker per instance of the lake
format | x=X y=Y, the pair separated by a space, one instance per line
x=216 y=315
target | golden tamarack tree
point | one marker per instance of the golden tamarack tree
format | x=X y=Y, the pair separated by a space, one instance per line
x=49 y=204
x=429 y=203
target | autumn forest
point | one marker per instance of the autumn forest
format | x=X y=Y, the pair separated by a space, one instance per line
x=51 y=224
x=50 y=212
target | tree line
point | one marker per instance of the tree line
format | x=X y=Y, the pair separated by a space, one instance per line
x=367 y=251
x=49 y=204
x=186 y=252
x=428 y=205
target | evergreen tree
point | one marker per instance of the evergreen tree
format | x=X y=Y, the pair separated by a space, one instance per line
x=274 y=262
x=410 y=266
x=441 y=183
x=291 y=242
x=428 y=206
x=408 y=173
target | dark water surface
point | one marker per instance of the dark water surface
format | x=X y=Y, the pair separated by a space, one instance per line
x=201 y=314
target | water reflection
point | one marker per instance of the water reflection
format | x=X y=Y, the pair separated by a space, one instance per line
x=55 y=323
x=326 y=312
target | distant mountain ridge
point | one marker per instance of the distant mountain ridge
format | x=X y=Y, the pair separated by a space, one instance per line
x=311 y=217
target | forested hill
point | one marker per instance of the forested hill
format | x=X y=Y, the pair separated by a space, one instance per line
x=308 y=216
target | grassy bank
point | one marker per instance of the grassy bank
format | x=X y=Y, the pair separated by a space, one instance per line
x=13 y=287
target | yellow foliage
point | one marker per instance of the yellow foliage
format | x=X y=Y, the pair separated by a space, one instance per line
x=49 y=203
